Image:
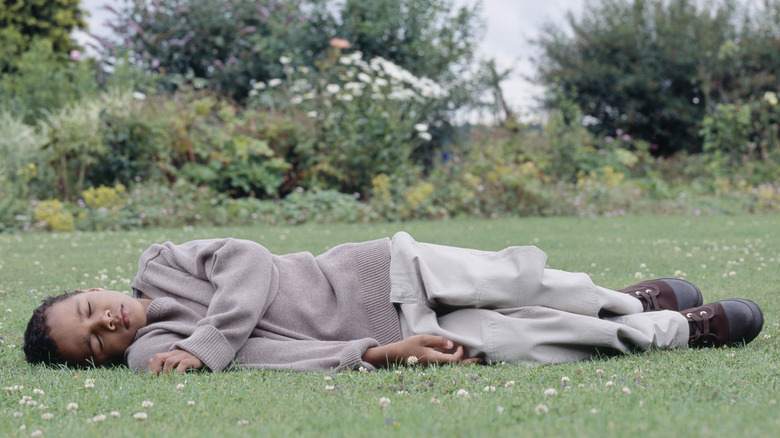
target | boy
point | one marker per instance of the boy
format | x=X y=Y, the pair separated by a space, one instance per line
x=224 y=303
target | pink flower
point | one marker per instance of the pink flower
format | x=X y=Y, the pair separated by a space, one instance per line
x=339 y=43
x=75 y=55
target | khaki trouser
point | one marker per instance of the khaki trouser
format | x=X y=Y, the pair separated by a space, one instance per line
x=506 y=306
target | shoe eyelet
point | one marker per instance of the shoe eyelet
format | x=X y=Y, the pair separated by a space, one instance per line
x=688 y=315
x=702 y=312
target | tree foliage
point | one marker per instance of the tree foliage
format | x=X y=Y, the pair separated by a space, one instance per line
x=232 y=43
x=655 y=68
x=22 y=21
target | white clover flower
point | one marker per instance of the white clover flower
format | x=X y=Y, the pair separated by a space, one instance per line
x=303 y=69
x=421 y=127
x=509 y=384
x=412 y=360
x=610 y=384
x=541 y=409
x=138 y=95
x=259 y=85
x=380 y=82
x=190 y=402
x=346 y=60
x=500 y=410
x=594 y=411
x=600 y=372
x=140 y=416
x=296 y=100
x=180 y=386
x=332 y=88
x=285 y=60
x=330 y=388
x=89 y=383
x=364 y=77
x=99 y=418
x=275 y=82
x=36 y=434
x=383 y=402
x=462 y=393
x=771 y=98
x=489 y=388
x=425 y=136
x=435 y=400
x=114 y=414
x=565 y=380
x=626 y=390
x=328 y=378
x=73 y=407
x=47 y=416
x=17 y=414
x=362 y=370
x=312 y=114
x=146 y=404
x=37 y=391
x=550 y=392
x=242 y=422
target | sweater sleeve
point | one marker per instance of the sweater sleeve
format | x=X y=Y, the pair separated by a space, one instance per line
x=304 y=355
x=241 y=276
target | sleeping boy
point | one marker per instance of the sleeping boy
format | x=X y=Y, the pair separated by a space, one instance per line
x=228 y=303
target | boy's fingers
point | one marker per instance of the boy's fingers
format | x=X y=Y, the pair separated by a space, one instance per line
x=437 y=342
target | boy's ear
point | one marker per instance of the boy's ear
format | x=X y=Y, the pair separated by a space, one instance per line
x=92 y=289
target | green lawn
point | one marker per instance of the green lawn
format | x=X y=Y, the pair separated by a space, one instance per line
x=723 y=392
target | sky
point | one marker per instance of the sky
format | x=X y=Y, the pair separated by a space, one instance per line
x=510 y=24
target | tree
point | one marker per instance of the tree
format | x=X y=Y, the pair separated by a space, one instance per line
x=647 y=67
x=22 y=21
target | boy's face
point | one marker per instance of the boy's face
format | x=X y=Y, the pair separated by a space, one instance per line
x=96 y=324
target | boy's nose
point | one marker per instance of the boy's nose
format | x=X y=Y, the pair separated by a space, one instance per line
x=109 y=320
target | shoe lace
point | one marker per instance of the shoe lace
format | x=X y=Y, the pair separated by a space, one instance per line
x=648 y=298
x=699 y=324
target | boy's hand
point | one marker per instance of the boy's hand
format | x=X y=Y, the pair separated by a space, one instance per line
x=176 y=360
x=428 y=349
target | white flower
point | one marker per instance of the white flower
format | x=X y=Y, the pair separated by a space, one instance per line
x=114 y=414
x=180 y=386
x=99 y=418
x=600 y=372
x=594 y=411
x=412 y=360
x=610 y=384
x=89 y=383
x=489 y=388
x=140 y=416
x=383 y=402
x=285 y=60
x=73 y=407
x=138 y=95
x=364 y=77
x=146 y=404
x=541 y=409
x=312 y=114
x=550 y=392
x=328 y=378
x=509 y=384
x=36 y=434
x=329 y=388
x=274 y=82
x=435 y=400
x=462 y=393
x=500 y=410
x=258 y=85
x=47 y=416
x=17 y=414
x=242 y=422
x=345 y=97
x=346 y=60
x=425 y=136
x=565 y=380
x=296 y=100
x=37 y=391
x=421 y=127
x=362 y=370
x=626 y=390
x=771 y=98
x=332 y=88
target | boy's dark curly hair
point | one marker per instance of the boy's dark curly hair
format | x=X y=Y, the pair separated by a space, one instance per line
x=39 y=348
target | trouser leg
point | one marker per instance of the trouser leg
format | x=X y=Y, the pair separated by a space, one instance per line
x=444 y=276
x=540 y=335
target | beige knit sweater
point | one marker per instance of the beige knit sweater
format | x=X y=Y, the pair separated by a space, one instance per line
x=231 y=302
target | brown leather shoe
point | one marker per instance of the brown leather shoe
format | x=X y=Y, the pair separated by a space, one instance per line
x=665 y=294
x=728 y=322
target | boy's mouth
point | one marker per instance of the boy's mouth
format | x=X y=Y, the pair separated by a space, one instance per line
x=125 y=316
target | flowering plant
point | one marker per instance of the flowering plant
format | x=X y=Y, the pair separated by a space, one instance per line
x=368 y=116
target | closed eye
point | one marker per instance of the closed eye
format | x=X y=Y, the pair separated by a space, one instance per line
x=89 y=309
x=100 y=342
